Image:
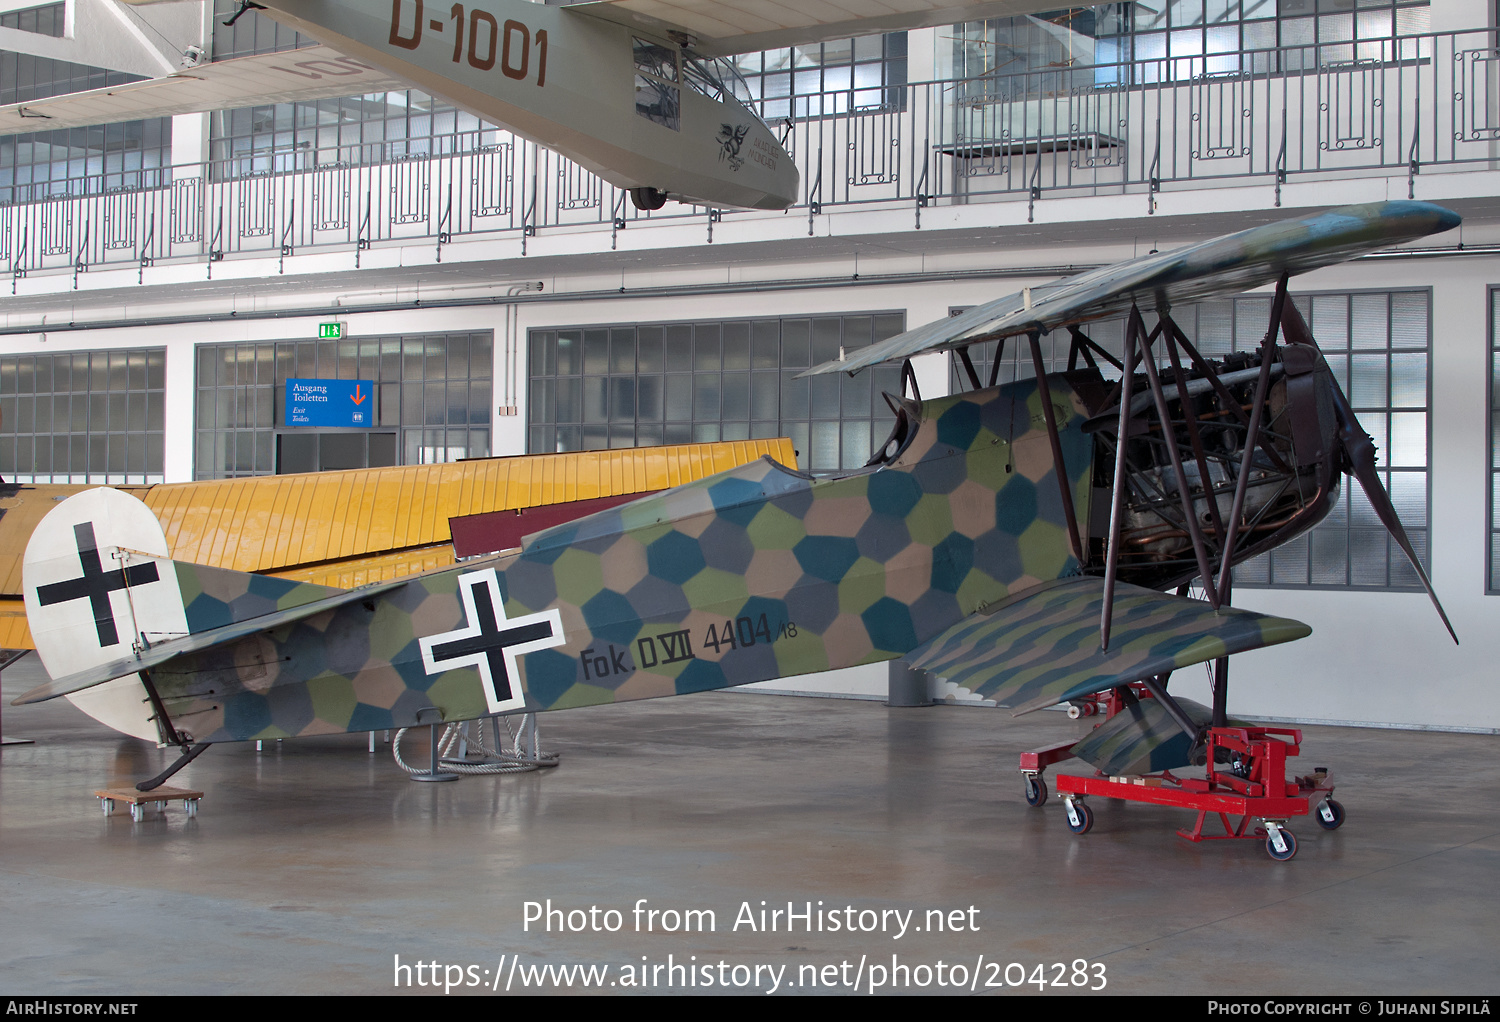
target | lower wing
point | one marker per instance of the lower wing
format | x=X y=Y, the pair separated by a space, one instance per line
x=1043 y=648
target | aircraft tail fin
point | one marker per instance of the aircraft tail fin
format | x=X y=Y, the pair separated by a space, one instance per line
x=100 y=585
x=104 y=601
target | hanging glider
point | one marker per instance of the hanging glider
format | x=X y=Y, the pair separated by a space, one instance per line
x=635 y=91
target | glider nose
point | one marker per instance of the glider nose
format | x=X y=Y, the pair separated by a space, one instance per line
x=784 y=181
x=789 y=184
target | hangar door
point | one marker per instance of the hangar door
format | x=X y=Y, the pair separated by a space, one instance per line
x=430 y=393
x=331 y=450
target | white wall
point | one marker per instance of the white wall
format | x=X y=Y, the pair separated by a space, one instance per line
x=1451 y=15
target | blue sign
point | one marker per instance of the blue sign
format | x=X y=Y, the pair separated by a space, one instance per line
x=330 y=403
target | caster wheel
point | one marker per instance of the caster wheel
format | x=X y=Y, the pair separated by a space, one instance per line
x=136 y=812
x=192 y=807
x=1036 y=791
x=1290 y=842
x=1330 y=815
x=109 y=806
x=1080 y=818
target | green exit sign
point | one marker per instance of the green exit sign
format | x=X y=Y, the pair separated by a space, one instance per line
x=330 y=331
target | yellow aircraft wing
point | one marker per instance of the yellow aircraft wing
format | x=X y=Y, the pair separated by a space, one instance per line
x=352 y=528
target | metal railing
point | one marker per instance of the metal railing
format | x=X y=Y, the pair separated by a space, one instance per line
x=1405 y=106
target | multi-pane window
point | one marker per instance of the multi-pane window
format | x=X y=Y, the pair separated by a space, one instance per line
x=251 y=32
x=48 y=19
x=378 y=128
x=85 y=417
x=1198 y=37
x=74 y=160
x=1173 y=40
x=867 y=73
x=1006 y=59
x=630 y=385
x=1378 y=345
x=431 y=390
x=299 y=136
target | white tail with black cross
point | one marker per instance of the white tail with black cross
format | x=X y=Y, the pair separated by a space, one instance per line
x=100 y=586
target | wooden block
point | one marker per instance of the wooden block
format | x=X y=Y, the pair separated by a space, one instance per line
x=133 y=797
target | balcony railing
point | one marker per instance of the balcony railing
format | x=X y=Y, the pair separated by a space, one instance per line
x=1401 y=107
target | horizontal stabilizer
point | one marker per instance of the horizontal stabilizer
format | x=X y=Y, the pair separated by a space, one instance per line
x=1142 y=739
x=163 y=652
x=1043 y=647
x=297 y=76
x=215 y=597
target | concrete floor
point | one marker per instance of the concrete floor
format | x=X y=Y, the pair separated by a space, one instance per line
x=313 y=865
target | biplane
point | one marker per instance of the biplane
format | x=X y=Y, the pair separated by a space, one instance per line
x=636 y=91
x=1030 y=543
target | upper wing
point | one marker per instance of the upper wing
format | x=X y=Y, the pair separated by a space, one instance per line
x=296 y=76
x=1221 y=266
x=721 y=27
x=1043 y=647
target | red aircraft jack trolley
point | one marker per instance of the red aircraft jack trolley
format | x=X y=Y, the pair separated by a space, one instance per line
x=1245 y=777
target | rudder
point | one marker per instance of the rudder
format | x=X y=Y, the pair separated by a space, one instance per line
x=100 y=586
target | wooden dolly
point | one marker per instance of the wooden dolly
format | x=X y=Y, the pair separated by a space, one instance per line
x=137 y=800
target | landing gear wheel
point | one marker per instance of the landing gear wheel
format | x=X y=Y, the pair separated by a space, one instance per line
x=1036 y=791
x=647 y=198
x=1335 y=815
x=1080 y=818
x=1290 y=841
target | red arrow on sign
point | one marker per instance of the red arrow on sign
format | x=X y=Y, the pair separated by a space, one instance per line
x=358 y=398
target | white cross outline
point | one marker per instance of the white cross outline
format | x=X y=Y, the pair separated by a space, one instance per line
x=480 y=660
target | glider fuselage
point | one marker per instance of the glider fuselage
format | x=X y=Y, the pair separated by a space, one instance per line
x=620 y=103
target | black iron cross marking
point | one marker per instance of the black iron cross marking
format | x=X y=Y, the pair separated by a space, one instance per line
x=489 y=641
x=96 y=584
